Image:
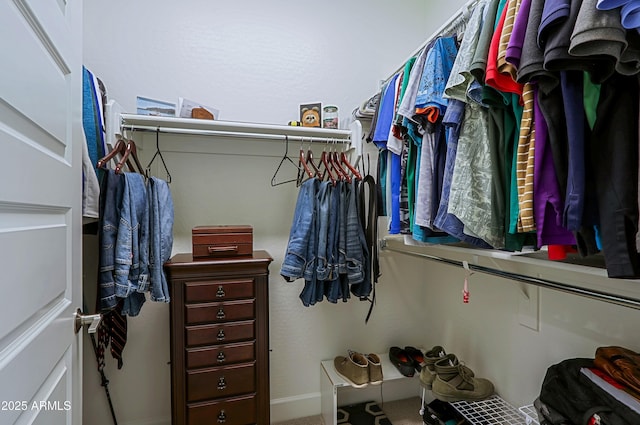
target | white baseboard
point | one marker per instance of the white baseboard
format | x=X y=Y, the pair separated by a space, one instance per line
x=300 y=406
x=156 y=421
x=282 y=409
x=287 y=408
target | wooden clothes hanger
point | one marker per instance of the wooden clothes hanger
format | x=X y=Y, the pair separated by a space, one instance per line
x=345 y=161
x=329 y=167
x=335 y=161
x=130 y=151
x=303 y=168
x=324 y=158
x=126 y=149
x=119 y=148
x=309 y=160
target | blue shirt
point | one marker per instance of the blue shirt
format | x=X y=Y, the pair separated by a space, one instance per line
x=385 y=114
x=435 y=75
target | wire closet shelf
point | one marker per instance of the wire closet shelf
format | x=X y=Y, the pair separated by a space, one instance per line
x=191 y=126
x=492 y=411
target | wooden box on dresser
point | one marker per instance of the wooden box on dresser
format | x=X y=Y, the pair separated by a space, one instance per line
x=219 y=339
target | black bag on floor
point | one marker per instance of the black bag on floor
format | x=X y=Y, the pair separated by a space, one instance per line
x=571 y=394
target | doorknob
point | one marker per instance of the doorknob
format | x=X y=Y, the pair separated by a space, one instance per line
x=93 y=320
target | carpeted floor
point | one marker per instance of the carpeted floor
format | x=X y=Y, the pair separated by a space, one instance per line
x=399 y=412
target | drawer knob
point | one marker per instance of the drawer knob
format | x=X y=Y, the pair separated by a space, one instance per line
x=221 y=357
x=221 y=315
x=220 y=293
x=222 y=383
x=222 y=417
x=221 y=335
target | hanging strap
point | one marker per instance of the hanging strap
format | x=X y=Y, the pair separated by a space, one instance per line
x=369 y=223
x=369 y=219
x=98 y=350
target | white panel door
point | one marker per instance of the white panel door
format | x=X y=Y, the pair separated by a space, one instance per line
x=40 y=211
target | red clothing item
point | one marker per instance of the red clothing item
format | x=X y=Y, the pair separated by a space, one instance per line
x=500 y=82
x=432 y=113
x=559 y=252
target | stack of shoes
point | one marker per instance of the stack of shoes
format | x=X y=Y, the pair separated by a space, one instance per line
x=408 y=361
x=455 y=382
x=359 y=369
x=428 y=372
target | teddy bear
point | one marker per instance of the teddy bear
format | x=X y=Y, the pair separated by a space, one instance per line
x=311 y=117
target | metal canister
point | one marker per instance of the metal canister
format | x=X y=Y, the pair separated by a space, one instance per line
x=330 y=116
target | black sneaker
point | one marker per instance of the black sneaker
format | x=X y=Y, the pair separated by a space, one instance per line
x=417 y=356
x=402 y=361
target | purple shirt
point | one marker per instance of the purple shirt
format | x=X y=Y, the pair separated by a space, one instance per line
x=514 y=48
x=547 y=199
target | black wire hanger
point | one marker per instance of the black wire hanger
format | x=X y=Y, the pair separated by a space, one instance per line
x=285 y=157
x=158 y=153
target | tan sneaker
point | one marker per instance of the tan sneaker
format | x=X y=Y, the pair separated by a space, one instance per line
x=453 y=382
x=375 y=369
x=354 y=368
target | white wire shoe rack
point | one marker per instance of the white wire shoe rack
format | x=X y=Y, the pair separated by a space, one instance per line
x=494 y=411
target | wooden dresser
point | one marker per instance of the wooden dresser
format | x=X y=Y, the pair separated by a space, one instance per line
x=219 y=339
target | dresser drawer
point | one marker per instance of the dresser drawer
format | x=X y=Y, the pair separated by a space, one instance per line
x=221 y=382
x=219 y=334
x=221 y=290
x=237 y=411
x=220 y=312
x=220 y=355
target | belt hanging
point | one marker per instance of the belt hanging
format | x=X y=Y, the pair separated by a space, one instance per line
x=369 y=222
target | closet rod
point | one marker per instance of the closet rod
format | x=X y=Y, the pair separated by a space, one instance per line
x=239 y=134
x=452 y=23
x=544 y=283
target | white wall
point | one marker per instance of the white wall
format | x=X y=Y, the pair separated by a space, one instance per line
x=255 y=61
x=487 y=333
